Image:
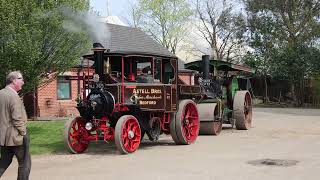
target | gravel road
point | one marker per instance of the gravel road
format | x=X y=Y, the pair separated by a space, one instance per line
x=291 y=135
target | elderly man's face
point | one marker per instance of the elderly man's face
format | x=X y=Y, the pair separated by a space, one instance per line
x=18 y=83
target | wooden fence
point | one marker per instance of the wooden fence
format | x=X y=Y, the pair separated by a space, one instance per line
x=279 y=91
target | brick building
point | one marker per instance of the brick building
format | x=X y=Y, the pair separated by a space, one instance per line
x=57 y=97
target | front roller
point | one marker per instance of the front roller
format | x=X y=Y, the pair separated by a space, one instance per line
x=184 y=128
x=242 y=110
x=127 y=134
x=75 y=135
x=210 y=124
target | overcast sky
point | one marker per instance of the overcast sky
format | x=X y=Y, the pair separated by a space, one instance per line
x=116 y=7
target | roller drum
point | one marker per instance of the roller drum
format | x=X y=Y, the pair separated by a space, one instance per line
x=206 y=111
x=209 y=123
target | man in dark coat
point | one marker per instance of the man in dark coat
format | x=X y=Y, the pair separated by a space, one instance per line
x=13 y=133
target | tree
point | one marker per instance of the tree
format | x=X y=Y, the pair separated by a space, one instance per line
x=135 y=15
x=260 y=65
x=264 y=48
x=34 y=38
x=288 y=29
x=291 y=22
x=295 y=64
x=222 y=28
x=164 y=20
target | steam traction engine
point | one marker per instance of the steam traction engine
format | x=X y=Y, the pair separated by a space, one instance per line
x=129 y=95
x=224 y=98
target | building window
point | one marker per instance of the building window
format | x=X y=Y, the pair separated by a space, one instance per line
x=63 y=88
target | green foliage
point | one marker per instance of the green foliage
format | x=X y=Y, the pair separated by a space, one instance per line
x=290 y=22
x=316 y=89
x=295 y=63
x=33 y=38
x=165 y=20
x=284 y=35
x=281 y=24
x=256 y=62
x=46 y=137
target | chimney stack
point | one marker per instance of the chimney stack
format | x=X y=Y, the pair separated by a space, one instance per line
x=98 y=51
x=205 y=66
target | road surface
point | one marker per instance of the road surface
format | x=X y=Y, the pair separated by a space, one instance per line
x=277 y=134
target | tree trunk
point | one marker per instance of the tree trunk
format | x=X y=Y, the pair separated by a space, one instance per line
x=266 y=98
x=299 y=93
x=293 y=93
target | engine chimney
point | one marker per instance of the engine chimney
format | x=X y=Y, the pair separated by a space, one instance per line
x=205 y=66
x=98 y=51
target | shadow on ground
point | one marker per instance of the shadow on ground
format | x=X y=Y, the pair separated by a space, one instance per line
x=109 y=148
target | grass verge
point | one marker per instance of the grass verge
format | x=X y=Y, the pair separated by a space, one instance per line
x=46 y=137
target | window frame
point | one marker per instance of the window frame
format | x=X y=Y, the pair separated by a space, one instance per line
x=64 y=80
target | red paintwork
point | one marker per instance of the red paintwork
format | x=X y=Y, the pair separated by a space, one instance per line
x=107 y=131
x=78 y=136
x=103 y=127
x=131 y=77
x=119 y=108
x=130 y=144
x=165 y=121
x=122 y=79
x=191 y=122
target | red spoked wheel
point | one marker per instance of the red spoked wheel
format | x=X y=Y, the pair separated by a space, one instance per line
x=127 y=134
x=75 y=135
x=242 y=110
x=185 y=129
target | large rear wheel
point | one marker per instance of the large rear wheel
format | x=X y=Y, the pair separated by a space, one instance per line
x=127 y=134
x=185 y=130
x=242 y=110
x=173 y=128
x=75 y=135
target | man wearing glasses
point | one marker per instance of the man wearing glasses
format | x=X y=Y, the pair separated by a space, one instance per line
x=13 y=122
